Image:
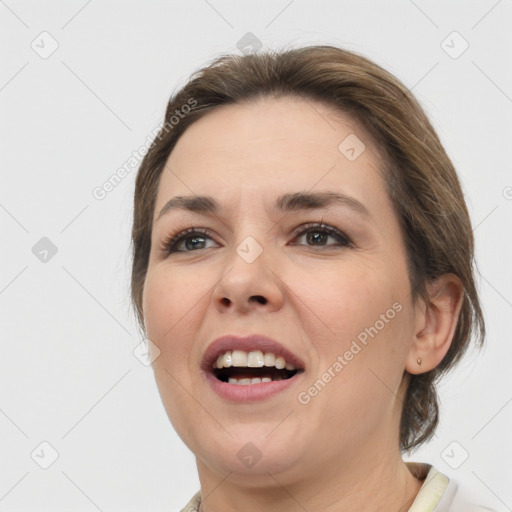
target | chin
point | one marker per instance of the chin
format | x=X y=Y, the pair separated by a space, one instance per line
x=249 y=457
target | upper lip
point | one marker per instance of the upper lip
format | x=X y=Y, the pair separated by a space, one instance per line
x=247 y=343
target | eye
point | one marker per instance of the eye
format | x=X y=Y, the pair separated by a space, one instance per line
x=317 y=234
x=188 y=240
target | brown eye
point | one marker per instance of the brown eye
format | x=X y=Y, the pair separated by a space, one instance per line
x=317 y=235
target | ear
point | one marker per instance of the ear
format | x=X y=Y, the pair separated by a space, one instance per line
x=435 y=323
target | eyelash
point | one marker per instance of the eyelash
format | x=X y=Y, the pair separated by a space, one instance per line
x=170 y=243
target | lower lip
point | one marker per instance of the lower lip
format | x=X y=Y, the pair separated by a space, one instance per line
x=249 y=392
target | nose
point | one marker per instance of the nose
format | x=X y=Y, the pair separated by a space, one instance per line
x=249 y=283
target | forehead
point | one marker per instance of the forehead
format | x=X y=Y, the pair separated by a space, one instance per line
x=273 y=145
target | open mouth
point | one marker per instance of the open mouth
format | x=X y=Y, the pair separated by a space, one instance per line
x=246 y=368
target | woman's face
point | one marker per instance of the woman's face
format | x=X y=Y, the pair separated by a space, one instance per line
x=337 y=304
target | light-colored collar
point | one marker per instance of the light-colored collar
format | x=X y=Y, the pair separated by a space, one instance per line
x=436 y=493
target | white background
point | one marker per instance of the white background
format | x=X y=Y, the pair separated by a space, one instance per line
x=69 y=121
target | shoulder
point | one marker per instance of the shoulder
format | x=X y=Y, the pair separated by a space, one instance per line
x=456 y=501
x=193 y=504
x=459 y=504
x=439 y=493
x=469 y=507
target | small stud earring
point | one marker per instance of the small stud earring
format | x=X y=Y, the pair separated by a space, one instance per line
x=419 y=360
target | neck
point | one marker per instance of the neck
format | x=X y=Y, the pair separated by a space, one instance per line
x=368 y=483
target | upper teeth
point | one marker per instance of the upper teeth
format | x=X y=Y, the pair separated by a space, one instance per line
x=253 y=359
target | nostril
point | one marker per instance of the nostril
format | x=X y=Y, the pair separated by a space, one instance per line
x=259 y=298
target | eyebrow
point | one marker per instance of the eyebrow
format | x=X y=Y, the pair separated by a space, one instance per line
x=284 y=203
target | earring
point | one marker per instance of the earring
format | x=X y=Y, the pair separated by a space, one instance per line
x=419 y=360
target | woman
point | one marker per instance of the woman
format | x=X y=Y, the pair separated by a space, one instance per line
x=303 y=267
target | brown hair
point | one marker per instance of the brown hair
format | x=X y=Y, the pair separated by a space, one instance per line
x=421 y=179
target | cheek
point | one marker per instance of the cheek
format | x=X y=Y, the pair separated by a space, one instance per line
x=172 y=311
x=171 y=305
x=361 y=315
x=343 y=302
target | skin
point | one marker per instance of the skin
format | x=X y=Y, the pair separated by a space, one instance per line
x=340 y=451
